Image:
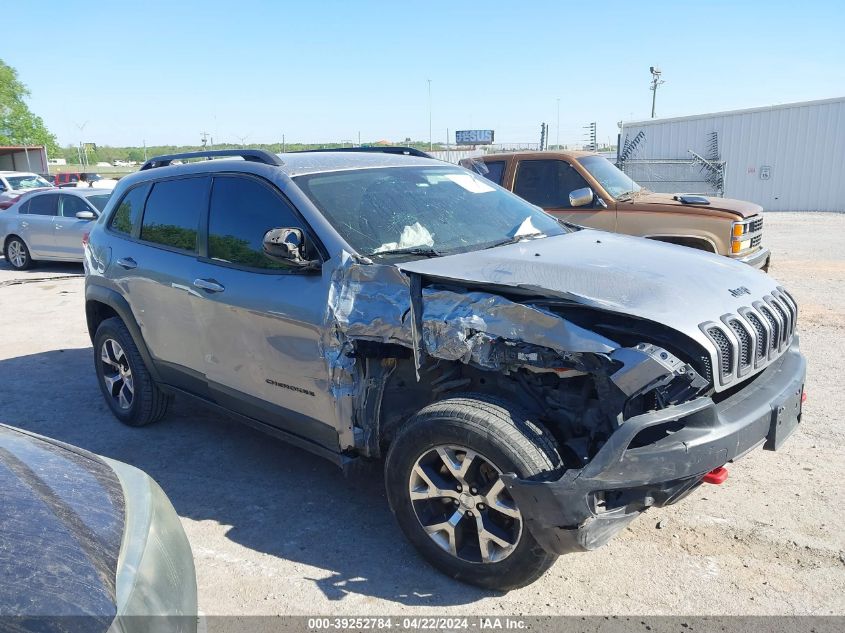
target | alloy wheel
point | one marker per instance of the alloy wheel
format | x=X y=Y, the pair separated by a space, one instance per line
x=463 y=505
x=17 y=254
x=117 y=374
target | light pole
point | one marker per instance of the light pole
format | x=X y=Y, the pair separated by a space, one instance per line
x=655 y=81
x=430 y=144
x=82 y=159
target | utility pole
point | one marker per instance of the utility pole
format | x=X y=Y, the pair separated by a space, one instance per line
x=592 y=142
x=430 y=144
x=145 y=150
x=83 y=155
x=655 y=82
x=557 y=132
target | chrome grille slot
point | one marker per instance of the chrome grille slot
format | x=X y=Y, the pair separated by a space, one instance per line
x=774 y=326
x=781 y=313
x=745 y=344
x=762 y=346
x=755 y=225
x=726 y=350
x=756 y=240
x=753 y=337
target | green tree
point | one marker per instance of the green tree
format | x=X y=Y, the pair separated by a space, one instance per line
x=18 y=125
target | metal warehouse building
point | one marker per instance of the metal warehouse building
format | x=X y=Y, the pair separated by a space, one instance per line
x=786 y=157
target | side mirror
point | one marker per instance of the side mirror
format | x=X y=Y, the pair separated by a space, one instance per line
x=287 y=245
x=85 y=215
x=581 y=197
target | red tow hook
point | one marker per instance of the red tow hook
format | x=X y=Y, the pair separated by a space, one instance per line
x=716 y=476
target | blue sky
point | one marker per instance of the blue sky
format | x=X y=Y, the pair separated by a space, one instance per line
x=325 y=71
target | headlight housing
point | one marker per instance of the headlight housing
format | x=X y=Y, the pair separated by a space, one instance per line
x=156 y=587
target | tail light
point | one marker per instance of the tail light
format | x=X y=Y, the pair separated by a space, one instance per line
x=85 y=238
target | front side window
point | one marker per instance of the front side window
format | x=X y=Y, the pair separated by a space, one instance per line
x=44 y=205
x=242 y=211
x=547 y=183
x=128 y=212
x=71 y=205
x=446 y=209
x=172 y=213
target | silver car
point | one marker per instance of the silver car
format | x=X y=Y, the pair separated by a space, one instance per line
x=49 y=225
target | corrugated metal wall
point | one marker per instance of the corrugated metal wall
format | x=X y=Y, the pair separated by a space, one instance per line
x=801 y=144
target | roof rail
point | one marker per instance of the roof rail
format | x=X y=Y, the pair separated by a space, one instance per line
x=382 y=149
x=254 y=155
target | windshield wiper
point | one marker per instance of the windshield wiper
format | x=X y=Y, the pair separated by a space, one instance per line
x=421 y=251
x=515 y=239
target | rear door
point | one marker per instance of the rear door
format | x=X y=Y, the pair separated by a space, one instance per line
x=68 y=229
x=548 y=182
x=35 y=226
x=155 y=268
x=262 y=320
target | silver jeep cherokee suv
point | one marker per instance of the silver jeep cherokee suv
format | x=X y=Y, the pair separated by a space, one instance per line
x=533 y=386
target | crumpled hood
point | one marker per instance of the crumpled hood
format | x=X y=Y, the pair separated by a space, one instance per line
x=741 y=208
x=673 y=285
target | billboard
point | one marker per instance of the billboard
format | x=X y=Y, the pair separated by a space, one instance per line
x=473 y=137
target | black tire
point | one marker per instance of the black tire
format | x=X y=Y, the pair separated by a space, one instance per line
x=27 y=258
x=502 y=434
x=148 y=403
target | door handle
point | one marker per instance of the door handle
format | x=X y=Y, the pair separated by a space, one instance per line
x=127 y=262
x=24 y=224
x=209 y=285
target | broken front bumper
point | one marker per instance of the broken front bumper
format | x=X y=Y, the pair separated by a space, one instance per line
x=655 y=459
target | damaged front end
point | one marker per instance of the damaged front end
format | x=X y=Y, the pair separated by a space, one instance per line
x=396 y=341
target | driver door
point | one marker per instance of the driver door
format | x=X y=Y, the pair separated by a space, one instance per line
x=262 y=320
x=548 y=183
x=68 y=229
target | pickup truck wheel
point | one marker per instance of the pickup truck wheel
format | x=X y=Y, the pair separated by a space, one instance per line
x=443 y=484
x=127 y=386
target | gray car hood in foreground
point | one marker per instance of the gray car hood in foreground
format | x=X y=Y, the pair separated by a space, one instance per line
x=673 y=285
x=61 y=528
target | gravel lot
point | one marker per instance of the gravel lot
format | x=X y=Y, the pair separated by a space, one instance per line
x=278 y=531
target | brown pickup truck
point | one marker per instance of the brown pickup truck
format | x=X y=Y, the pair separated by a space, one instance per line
x=587 y=189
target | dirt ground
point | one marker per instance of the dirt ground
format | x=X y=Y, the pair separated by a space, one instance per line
x=278 y=531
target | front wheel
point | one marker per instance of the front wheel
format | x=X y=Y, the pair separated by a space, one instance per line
x=443 y=483
x=130 y=392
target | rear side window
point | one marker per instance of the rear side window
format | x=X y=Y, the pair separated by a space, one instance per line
x=547 y=183
x=44 y=205
x=495 y=171
x=172 y=213
x=128 y=212
x=242 y=211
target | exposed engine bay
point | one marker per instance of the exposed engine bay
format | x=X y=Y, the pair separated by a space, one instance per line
x=432 y=339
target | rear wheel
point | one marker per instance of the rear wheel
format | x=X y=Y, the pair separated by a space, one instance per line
x=444 y=486
x=127 y=386
x=17 y=254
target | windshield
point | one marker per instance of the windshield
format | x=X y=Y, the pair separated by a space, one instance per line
x=433 y=210
x=29 y=181
x=99 y=200
x=614 y=181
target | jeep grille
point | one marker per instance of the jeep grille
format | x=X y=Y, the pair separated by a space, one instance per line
x=754 y=336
